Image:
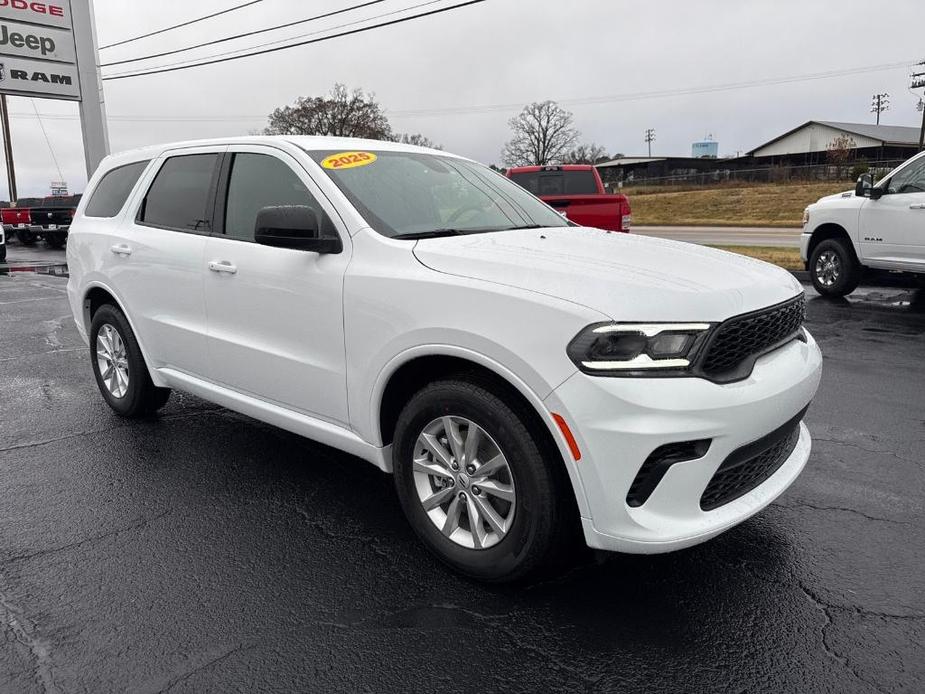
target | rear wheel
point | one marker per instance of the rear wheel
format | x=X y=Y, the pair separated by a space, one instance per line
x=26 y=237
x=3 y=253
x=834 y=269
x=476 y=486
x=119 y=367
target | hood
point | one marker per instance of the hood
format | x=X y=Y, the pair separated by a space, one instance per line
x=624 y=276
x=836 y=196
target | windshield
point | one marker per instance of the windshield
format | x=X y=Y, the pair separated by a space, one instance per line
x=410 y=194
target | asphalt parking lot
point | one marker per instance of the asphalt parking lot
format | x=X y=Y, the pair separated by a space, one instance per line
x=204 y=551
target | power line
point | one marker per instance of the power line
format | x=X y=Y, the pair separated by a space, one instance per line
x=240 y=51
x=182 y=24
x=634 y=96
x=293 y=45
x=487 y=108
x=47 y=141
x=244 y=35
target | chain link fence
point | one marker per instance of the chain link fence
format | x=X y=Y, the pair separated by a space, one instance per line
x=692 y=178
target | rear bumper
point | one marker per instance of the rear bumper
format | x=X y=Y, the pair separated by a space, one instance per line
x=619 y=422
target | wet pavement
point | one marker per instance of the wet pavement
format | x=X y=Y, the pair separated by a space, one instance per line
x=204 y=551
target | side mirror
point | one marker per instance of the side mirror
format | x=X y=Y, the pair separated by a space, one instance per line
x=293 y=226
x=864 y=185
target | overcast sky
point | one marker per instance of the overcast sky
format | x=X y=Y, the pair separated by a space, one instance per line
x=500 y=52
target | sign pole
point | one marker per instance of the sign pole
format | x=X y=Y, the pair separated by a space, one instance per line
x=92 y=105
x=8 y=148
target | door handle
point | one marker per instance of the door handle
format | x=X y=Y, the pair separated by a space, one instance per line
x=223 y=266
x=121 y=249
x=919 y=206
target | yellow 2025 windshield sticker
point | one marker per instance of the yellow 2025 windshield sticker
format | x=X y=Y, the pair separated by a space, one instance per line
x=348 y=160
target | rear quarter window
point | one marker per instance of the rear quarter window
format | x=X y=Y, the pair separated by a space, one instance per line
x=113 y=190
x=181 y=195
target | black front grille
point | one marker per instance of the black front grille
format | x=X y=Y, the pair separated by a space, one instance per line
x=739 y=341
x=749 y=466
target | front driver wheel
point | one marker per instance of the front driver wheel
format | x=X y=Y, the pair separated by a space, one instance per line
x=119 y=367
x=833 y=268
x=476 y=486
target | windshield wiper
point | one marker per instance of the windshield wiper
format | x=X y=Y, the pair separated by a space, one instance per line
x=432 y=234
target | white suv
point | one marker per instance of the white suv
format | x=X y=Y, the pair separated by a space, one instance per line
x=880 y=227
x=525 y=379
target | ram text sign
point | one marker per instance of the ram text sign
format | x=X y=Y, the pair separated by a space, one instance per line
x=37 y=51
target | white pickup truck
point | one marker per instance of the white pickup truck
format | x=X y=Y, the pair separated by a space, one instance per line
x=881 y=227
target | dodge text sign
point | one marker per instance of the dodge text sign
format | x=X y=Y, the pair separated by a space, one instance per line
x=52 y=14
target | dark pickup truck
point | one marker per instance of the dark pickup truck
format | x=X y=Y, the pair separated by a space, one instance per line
x=577 y=192
x=48 y=219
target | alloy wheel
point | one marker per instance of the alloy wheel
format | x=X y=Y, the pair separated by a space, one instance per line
x=828 y=268
x=464 y=482
x=112 y=360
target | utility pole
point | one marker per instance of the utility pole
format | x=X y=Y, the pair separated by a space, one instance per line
x=918 y=80
x=881 y=103
x=650 y=138
x=8 y=148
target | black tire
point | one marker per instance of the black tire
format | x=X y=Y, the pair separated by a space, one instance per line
x=847 y=269
x=141 y=396
x=542 y=527
x=55 y=241
x=26 y=237
x=3 y=253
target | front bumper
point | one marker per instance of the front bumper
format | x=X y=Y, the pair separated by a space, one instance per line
x=619 y=422
x=804 y=247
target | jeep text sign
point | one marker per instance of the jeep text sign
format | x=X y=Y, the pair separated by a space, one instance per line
x=43 y=43
x=50 y=14
x=38 y=56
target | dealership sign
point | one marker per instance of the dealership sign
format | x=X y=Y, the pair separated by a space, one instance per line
x=38 y=56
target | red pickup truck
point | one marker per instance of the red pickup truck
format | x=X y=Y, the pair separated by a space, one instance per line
x=47 y=218
x=576 y=191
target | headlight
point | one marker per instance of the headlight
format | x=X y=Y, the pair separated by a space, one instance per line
x=638 y=349
x=806 y=216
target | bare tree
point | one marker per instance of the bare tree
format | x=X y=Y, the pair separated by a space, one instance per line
x=590 y=153
x=417 y=139
x=341 y=113
x=543 y=134
x=840 y=150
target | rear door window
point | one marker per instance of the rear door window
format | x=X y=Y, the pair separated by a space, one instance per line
x=113 y=190
x=182 y=193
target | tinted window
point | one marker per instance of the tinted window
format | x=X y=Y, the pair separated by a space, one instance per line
x=113 y=189
x=258 y=181
x=530 y=181
x=557 y=182
x=179 y=196
x=410 y=192
x=909 y=180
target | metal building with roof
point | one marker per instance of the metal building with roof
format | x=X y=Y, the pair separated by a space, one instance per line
x=806 y=142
